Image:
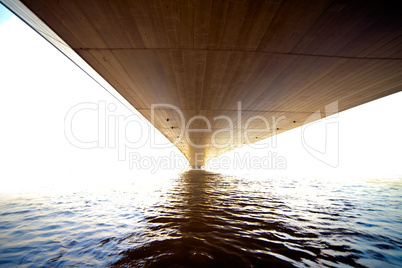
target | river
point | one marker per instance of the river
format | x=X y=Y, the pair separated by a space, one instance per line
x=205 y=219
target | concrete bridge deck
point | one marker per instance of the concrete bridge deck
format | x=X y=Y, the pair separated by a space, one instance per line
x=216 y=65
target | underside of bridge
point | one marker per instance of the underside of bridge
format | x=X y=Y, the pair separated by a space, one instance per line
x=229 y=73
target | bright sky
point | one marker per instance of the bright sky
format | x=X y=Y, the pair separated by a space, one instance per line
x=39 y=85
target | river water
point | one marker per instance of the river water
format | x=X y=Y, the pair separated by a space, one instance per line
x=203 y=219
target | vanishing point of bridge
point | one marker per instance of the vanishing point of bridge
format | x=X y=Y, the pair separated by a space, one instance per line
x=190 y=66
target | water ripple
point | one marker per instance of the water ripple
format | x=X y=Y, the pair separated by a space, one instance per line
x=203 y=219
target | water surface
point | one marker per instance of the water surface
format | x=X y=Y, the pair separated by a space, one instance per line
x=203 y=219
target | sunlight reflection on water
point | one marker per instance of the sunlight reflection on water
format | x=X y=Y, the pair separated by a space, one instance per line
x=201 y=218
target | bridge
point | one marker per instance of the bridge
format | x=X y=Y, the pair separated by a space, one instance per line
x=215 y=75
